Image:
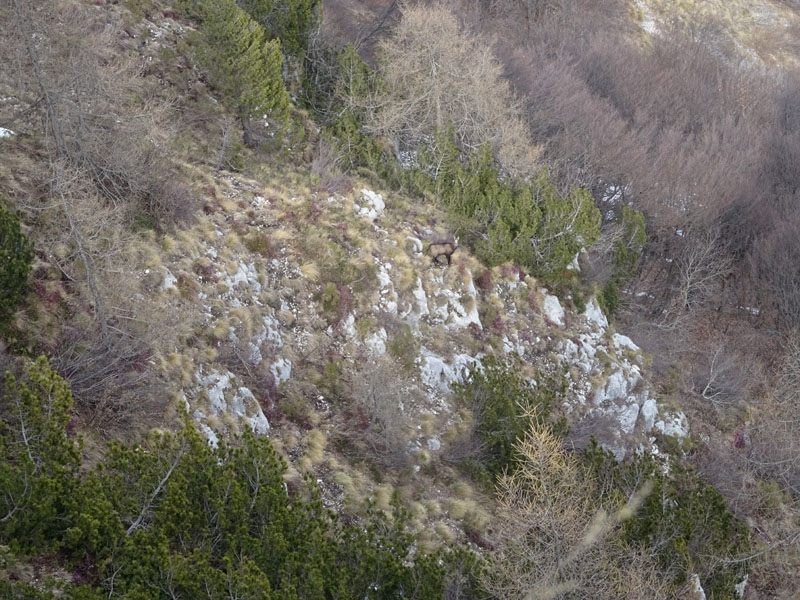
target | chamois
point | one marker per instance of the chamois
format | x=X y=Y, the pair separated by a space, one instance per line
x=443 y=248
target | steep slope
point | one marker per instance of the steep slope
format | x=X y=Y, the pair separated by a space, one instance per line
x=320 y=319
x=290 y=299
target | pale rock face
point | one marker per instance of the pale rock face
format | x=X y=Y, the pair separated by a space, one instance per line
x=675 y=424
x=460 y=317
x=581 y=355
x=510 y=346
x=371 y=206
x=245 y=273
x=438 y=375
x=212 y=438
x=420 y=308
x=570 y=350
x=575 y=265
x=377 y=342
x=594 y=315
x=349 y=326
x=270 y=332
x=242 y=403
x=434 y=444
x=449 y=309
x=281 y=370
x=616 y=388
x=388 y=297
x=416 y=244
x=627 y=415
x=649 y=412
x=588 y=345
x=740 y=587
x=552 y=309
x=696 y=588
x=170 y=281
x=384 y=279
x=617 y=448
x=215 y=384
x=623 y=342
x=259 y=423
x=245 y=406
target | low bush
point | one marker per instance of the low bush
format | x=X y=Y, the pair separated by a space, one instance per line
x=177 y=517
x=244 y=66
x=684 y=521
x=504 y=407
x=16 y=257
x=525 y=222
x=627 y=251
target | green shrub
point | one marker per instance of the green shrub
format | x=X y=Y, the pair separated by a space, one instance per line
x=242 y=64
x=684 y=520
x=505 y=407
x=139 y=8
x=627 y=251
x=257 y=242
x=404 y=346
x=331 y=300
x=503 y=220
x=178 y=514
x=16 y=257
x=38 y=473
x=290 y=21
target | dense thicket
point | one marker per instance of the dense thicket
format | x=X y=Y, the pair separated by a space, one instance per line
x=523 y=219
x=16 y=256
x=290 y=21
x=244 y=66
x=504 y=408
x=176 y=518
x=626 y=125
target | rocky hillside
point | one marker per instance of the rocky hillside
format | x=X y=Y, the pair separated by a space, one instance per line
x=291 y=298
x=280 y=290
x=269 y=265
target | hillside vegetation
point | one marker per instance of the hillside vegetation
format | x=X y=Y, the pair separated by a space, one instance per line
x=305 y=300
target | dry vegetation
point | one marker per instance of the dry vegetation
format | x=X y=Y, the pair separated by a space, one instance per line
x=688 y=111
x=116 y=133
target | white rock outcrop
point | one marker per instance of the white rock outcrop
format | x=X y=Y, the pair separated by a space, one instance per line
x=371 y=205
x=439 y=375
x=553 y=310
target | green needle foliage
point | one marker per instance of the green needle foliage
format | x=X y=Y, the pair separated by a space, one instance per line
x=627 y=251
x=290 y=21
x=505 y=407
x=241 y=62
x=38 y=474
x=528 y=223
x=177 y=518
x=16 y=256
x=684 y=521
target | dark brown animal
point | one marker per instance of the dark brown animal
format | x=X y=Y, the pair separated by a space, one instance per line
x=444 y=248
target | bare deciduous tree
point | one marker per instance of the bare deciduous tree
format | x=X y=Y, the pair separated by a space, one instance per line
x=381 y=405
x=436 y=74
x=775 y=435
x=96 y=113
x=101 y=142
x=553 y=542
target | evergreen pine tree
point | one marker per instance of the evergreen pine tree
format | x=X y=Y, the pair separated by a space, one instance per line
x=16 y=255
x=243 y=65
x=290 y=21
